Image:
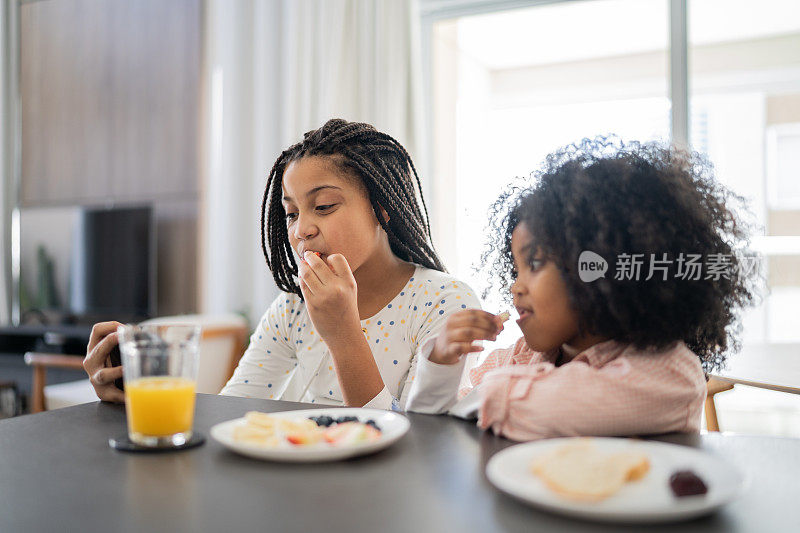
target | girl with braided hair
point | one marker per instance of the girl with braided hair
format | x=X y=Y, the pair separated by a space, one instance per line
x=346 y=235
x=345 y=232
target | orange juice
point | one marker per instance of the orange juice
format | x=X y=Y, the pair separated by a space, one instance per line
x=160 y=406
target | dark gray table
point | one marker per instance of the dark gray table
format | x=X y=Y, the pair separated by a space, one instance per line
x=57 y=473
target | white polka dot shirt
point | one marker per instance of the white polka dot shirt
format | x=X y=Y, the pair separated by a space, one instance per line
x=288 y=360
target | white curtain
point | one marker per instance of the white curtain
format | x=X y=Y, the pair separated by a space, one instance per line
x=355 y=59
x=274 y=70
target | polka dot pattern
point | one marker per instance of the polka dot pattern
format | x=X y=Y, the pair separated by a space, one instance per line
x=285 y=349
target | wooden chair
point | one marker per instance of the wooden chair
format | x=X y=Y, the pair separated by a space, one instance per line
x=714 y=386
x=221 y=334
x=227 y=335
x=40 y=363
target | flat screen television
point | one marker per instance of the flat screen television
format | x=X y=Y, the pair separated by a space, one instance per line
x=113 y=274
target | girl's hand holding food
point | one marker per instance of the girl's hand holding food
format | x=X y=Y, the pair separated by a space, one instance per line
x=331 y=295
x=461 y=330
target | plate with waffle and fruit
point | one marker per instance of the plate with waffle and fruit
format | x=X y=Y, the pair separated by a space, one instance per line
x=311 y=435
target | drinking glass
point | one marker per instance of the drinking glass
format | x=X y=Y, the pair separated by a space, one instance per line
x=160 y=372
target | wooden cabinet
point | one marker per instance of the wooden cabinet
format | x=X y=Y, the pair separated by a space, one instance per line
x=110 y=100
x=110 y=104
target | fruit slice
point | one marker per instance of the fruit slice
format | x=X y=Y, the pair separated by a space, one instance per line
x=351 y=433
x=304 y=438
x=255 y=435
x=264 y=420
x=297 y=425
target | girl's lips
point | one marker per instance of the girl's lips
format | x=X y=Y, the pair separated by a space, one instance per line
x=523 y=314
x=318 y=254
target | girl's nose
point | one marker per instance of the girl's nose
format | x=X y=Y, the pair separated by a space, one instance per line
x=304 y=228
x=517 y=288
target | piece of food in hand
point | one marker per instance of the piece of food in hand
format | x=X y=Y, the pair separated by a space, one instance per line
x=351 y=433
x=578 y=471
x=504 y=316
x=687 y=483
x=303 y=257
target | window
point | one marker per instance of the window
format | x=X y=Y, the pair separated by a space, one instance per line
x=512 y=86
x=744 y=79
x=508 y=87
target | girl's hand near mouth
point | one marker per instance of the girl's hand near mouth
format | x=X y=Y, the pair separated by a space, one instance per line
x=331 y=295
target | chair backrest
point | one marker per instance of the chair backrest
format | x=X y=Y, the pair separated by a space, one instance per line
x=223 y=340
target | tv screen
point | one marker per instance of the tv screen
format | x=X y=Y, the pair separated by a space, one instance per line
x=113 y=272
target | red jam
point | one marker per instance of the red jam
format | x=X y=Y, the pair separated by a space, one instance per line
x=686 y=483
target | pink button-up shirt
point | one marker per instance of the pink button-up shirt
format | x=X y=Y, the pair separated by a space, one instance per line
x=608 y=389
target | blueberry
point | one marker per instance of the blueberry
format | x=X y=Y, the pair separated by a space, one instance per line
x=373 y=424
x=324 y=421
x=343 y=419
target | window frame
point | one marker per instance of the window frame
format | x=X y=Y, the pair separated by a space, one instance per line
x=433 y=11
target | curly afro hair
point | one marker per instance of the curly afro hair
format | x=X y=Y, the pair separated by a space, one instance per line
x=613 y=198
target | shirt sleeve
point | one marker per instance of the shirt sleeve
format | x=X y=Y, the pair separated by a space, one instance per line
x=527 y=402
x=430 y=387
x=383 y=400
x=436 y=388
x=266 y=367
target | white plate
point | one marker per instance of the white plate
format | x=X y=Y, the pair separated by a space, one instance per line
x=393 y=426
x=645 y=501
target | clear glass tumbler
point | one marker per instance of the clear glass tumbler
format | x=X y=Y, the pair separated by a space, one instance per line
x=160 y=371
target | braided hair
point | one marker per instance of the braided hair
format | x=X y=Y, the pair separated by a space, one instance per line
x=385 y=169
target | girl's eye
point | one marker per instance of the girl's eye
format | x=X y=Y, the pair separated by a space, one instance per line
x=536 y=264
x=291 y=216
x=325 y=207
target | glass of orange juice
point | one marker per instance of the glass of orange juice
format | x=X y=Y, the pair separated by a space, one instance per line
x=159 y=366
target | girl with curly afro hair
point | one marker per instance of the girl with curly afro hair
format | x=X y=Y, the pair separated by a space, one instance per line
x=627 y=265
